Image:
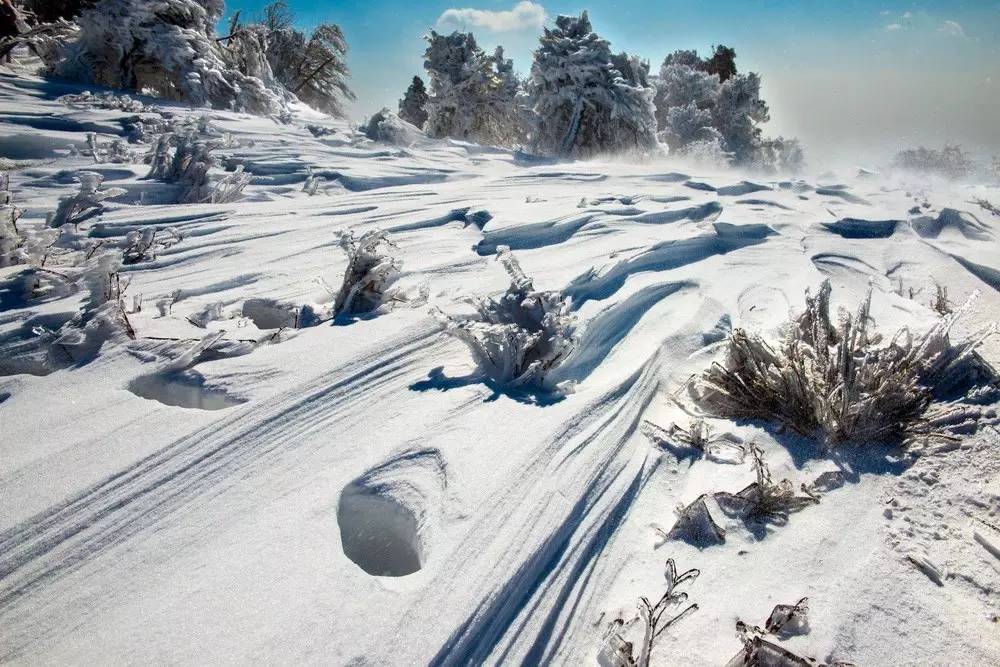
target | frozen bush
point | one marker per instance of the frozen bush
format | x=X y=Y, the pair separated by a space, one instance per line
x=841 y=383
x=142 y=245
x=370 y=274
x=780 y=155
x=584 y=104
x=189 y=165
x=950 y=162
x=520 y=336
x=698 y=437
x=108 y=100
x=617 y=651
x=86 y=203
x=229 y=188
x=11 y=240
x=765 y=501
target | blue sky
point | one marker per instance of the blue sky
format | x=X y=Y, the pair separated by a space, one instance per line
x=852 y=78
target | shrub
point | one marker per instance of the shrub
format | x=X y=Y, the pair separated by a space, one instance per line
x=371 y=271
x=765 y=501
x=840 y=383
x=86 y=203
x=698 y=437
x=519 y=337
x=618 y=652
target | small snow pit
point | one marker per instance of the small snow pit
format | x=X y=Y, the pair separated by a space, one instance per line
x=378 y=533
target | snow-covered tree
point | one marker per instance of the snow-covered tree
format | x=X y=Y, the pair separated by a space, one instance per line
x=313 y=68
x=167 y=47
x=411 y=107
x=680 y=85
x=584 y=103
x=474 y=96
x=737 y=113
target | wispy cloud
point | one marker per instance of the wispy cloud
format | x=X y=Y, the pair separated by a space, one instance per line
x=953 y=29
x=524 y=15
x=893 y=27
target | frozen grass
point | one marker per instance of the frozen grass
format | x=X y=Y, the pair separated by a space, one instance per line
x=840 y=383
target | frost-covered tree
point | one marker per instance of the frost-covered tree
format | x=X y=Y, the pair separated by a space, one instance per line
x=722 y=63
x=583 y=102
x=53 y=10
x=167 y=47
x=685 y=96
x=737 y=113
x=312 y=67
x=474 y=96
x=411 y=107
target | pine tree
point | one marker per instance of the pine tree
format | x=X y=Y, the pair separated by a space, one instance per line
x=737 y=113
x=584 y=103
x=412 y=106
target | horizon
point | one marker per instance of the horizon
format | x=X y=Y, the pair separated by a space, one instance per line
x=854 y=83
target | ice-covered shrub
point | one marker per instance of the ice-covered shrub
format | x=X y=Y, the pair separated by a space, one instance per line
x=841 y=383
x=412 y=108
x=166 y=46
x=11 y=241
x=186 y=158
x=142 y=245
x=765 y=501
x=474 y=96
x=517 y=338
x=117 y=152
x=617 y=651
x=949 y=162
x=583 y=103
x=371 y=271
x=700 y=437
x=86 y=203
x=229 y=187
x=387 y=127
x=107 y=100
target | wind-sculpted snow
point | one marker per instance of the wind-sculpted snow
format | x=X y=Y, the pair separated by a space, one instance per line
x=249 y=479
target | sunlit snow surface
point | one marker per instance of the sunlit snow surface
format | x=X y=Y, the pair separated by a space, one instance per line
x=354 y=494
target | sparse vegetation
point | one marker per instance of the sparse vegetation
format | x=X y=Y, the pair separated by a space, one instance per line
x=839 y=383
x=700 y=437
x=765 y=501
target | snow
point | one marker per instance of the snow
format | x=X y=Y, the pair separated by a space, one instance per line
x=218 y=490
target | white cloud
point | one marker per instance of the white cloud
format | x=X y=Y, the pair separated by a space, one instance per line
x=525 y=15
x=907 y=15
x=953 y=29
x=893 y=27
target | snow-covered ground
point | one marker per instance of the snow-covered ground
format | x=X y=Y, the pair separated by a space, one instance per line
x=253 y=506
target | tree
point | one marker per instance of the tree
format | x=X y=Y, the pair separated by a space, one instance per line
x=47 y=11
x=166 y=47
x=474 y=97
x=313 y=68
x=584 y=103
x=737 y=113
x=722 y=63
x=411 y=107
